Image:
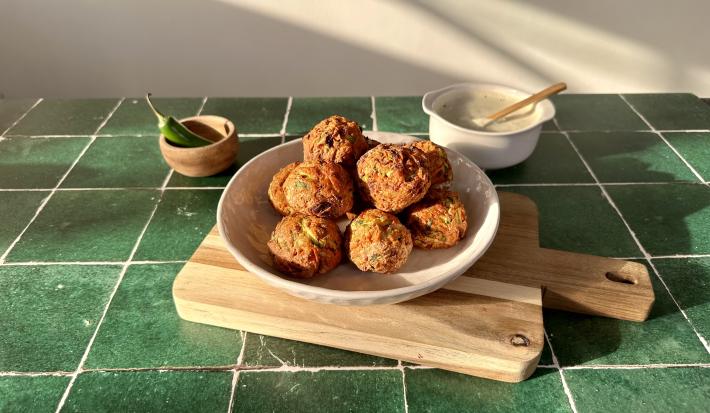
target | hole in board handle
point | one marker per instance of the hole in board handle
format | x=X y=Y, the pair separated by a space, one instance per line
x=519 y=340
x=620 y=278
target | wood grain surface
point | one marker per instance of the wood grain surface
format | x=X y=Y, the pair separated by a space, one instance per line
x=487 y=323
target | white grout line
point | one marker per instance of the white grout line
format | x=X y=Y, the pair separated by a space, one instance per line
x=556 y=364
x=2 y=135
x=53 y=136
x=404 y=386
x=178 y=188
x=235 y=376
x=158 y=262
x=45 y=263
x=663 y=257
x=44 y=202
x=171 y=188
x=295 y=369
x=259 y=135
x=660 y=135
x=282 y=131
x=645 y=253
x=650 y=130
x=202 y=106
x=80 y=367
x=600 y=183
x=373 y=115
x=338 y=368
x=638 y=366
x=34 y=373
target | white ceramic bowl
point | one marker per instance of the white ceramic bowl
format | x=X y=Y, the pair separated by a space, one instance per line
x=245 y=220
x=489 y=150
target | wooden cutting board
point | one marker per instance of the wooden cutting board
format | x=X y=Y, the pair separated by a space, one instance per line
x=487 y=323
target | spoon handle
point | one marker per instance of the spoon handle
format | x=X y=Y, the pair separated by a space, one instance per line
x=543 y=94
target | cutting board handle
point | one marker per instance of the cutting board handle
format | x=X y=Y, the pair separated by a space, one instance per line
x=595 y=285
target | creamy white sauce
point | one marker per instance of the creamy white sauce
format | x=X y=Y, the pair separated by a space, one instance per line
x=462 y=108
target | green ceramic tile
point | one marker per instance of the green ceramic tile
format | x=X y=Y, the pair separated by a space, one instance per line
x=65 y=117
x=119 y=162
x=631 y=157
x=49 y=313
x=553 y=161
x=86 y=226
x=579 y=219
x=11 y=110
x=250 y=115
x=672 y=110
x=549 y=126
x=183 y=219
x=134 y=117
x=546 y=356
x=150 y=391
x=667 y=218
x=595 y=112
x=666 y=337
x=142 y=328
x=275 y=352
x=434 y=390
x=31 y=394
x=401 y=114
x=306 y=112
x=248 y=148
x=219 y=180
x=323 y=391
x=16 y=210
x=37 y=162
x=695 y=148
x=689 y=282
x=640 y=390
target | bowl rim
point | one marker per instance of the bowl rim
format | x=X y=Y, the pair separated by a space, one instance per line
x=232 y=134
x=428 y=99
x=289 y=285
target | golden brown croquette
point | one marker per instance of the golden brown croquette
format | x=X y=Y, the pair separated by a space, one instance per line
x=335 y=139
x=323 y=189
x=276 y=191
x=304 y=246
x=438 y=221
x=376 y=241
x=439 y=166
x=392 y=177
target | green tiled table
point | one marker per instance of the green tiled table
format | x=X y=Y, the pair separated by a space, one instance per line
x=95 y=227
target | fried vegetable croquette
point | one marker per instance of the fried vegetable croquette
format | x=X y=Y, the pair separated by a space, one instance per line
x=323 y=189
x=439 y=166
x=376 y=241
x=335 y=139
x=393 y=177
x=305 y=246
x=438 y=221
x=276 y=191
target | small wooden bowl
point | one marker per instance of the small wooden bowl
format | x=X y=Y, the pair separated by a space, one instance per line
x=204 y=160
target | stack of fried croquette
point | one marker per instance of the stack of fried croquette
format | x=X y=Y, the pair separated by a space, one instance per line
x=345 y=173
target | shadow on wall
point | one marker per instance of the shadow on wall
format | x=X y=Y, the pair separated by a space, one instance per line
x=598 y=46
x=198 y=48
x=311 y=48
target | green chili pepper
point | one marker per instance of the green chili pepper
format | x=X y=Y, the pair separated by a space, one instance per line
x=176 y=132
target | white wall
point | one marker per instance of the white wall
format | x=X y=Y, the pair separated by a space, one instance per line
x=75 y=48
